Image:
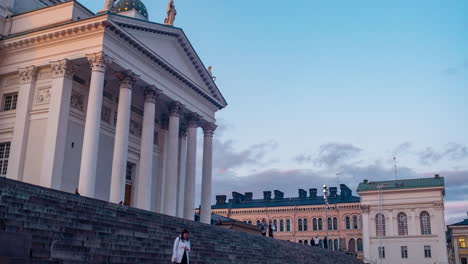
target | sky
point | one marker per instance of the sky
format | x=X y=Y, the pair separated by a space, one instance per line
x=320 y=88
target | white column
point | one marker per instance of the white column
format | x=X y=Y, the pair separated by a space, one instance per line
x=122 y=130
x=27 y=78
x=161 y=177
x=57 y=124
x=181 y=171
x=89 y=155
x=366 y=224
x=170 y=190
x=190 y=180
x=205 y=210
x=145 y=177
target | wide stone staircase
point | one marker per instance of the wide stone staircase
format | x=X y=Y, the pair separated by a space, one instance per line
x=40 y=225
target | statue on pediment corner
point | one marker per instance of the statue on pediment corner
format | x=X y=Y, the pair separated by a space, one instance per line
x=171 y=14
x=109 y=5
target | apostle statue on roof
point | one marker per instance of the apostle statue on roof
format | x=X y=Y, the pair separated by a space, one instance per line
x=109 y=4
x=171 y=14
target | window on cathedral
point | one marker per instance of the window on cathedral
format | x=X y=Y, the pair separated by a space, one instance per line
x=402 y=224
x=4 y=155
x=425 y=220
x=9 y=101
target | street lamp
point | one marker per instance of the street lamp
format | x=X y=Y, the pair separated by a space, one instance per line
x=325 y=197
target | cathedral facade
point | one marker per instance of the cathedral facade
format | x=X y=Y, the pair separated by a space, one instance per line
x=106 y=105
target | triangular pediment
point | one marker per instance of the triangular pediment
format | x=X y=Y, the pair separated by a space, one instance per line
x=171 y=44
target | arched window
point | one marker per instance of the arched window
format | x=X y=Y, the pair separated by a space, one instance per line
x=425 y=219
x=352 y=245
x=355 y=222
x=250 y=221
x=305 y=225
x=359 y=244
x=314 y=222
x=300 y=241
x=335 y=223
x=335 y=245
x=330 y=244
x=402 y=224
x=288 y=225
x=306 y=242
x=299 y=225
x=275 y=224
x=380 y=224
x=348 y=223
x=321 y=243
x=329 y=223
x=281 y=227
x=258 y=223
x=320 y=226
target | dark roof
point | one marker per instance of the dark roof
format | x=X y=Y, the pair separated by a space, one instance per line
x=462 y=223
x=127 y=5
x=285 y=202
x=401 y=184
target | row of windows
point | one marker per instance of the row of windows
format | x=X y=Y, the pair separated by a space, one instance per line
x=402 y=222
x=334 y=244
x=332 y=223
x=10 y=101
x=404 y=252
x=280 y=228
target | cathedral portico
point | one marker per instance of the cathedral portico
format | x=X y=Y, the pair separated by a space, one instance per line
x=111 y=104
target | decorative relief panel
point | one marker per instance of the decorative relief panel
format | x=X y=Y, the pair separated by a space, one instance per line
x=42 y=96
x=44 y=74
x=77 y=101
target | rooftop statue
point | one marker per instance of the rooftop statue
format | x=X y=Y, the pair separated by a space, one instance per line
x=171 y=14
x=108 y=5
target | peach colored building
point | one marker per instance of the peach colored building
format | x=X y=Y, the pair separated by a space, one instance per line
x=300 y=219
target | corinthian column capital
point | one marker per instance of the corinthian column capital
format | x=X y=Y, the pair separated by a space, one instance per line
x=152 y=94
x=27 y=74
x=127 y=78
x=62 y=68
x=209 y=129
x=175 y=108
x=98 y=61
x=193 y=120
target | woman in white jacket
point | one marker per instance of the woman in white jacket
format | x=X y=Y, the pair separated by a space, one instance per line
x=181 y=248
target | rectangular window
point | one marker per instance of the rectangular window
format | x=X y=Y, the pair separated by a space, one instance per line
x=4 y=155
x=129 y=172
x=9 y=101
x=288 y=225
x=404 y=252
x=461 y=243
x=382 y=252
x=355 y=222
x=427 y=252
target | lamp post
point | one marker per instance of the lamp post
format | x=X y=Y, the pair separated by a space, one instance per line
x=325 y=197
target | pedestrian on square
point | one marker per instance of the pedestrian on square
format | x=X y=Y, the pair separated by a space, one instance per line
x=271 y=229
x=263 y=227
x=317 y=241
x=180 y=253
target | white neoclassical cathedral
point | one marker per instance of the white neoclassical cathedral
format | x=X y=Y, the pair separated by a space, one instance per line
x=106 y=105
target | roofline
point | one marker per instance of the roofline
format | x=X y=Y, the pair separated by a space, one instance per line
x=55 y=5
x=400 y=189
x=224 y=103
x=285 y=206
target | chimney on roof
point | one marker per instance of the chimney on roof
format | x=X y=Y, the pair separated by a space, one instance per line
x=220 y=199
x=302 y=194
x=248 y=196
x=366 y=181
x=279 y=195
x=333 y=191
x=267 y=195
x=237 y=197
x=437 y=176
x=313 y=193
x=346 y=193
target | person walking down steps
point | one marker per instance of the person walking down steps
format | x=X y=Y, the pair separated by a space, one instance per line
x=181 y=249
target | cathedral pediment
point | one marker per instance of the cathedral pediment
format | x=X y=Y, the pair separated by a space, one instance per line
x=172 y=45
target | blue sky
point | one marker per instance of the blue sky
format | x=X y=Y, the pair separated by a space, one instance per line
x=317 y=87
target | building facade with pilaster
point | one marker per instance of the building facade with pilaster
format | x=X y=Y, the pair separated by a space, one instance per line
x=107 y=105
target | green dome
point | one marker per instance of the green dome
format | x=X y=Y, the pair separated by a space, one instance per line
x=127 y=5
